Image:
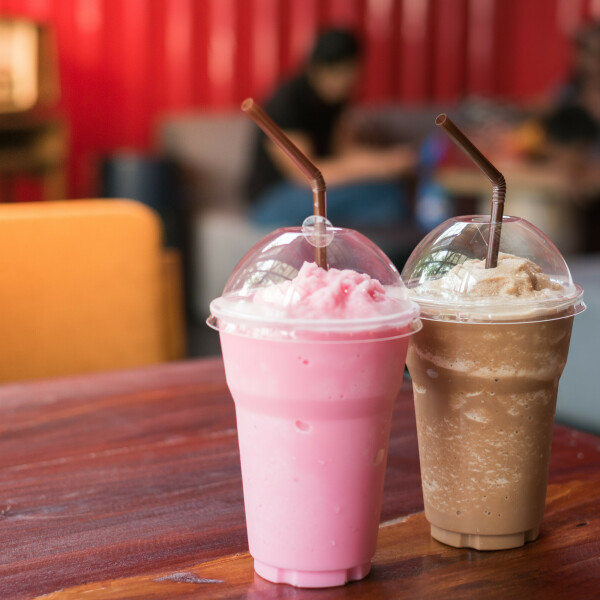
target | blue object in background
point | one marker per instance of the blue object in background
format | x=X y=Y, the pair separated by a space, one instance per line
x=434 y=204
x=358 y=204
x=433 y=207
x=148 y=179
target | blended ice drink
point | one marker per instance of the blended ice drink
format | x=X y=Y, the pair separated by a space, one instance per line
x=314 y=360
x=485 y=370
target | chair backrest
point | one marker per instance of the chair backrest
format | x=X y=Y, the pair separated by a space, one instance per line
x=213 y=152
x=81 y=288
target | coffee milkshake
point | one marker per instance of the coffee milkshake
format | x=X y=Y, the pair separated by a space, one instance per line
x=485 y=397
x=485 y=381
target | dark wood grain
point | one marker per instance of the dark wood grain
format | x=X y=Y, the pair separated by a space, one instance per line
x=410 y=564
x=127 y=485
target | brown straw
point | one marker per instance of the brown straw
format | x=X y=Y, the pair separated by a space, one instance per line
x=311 y=172
x=497 y=179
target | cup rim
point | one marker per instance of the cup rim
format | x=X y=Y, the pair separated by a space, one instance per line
x=222 y=314
x=546 y=310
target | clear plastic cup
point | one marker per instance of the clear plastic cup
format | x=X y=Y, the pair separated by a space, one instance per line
x=485 y=370
x=314 y=399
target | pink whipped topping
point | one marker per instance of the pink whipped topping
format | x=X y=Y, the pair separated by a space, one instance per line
x=333 y=294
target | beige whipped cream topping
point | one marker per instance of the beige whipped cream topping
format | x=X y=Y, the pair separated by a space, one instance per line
x=514 y=277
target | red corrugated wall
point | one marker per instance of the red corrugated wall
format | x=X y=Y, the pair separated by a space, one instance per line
x=126 y=62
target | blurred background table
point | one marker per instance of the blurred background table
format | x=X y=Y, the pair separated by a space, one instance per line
x=127 y=485
x=537 y=196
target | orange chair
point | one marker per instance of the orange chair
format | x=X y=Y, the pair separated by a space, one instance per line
x=85 y=286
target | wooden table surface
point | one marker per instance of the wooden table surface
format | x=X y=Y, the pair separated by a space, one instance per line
x=127 y=485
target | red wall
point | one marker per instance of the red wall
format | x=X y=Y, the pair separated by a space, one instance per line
x=125 y=62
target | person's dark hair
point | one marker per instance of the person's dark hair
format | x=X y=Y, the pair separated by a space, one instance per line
x=571 y=124
x=584 y=37
x=583 y=41
x=334 y=46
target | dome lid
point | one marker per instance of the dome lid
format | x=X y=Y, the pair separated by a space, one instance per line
x=446 y=273
x=262 y=291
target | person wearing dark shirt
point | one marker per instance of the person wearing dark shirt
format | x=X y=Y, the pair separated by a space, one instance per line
x=363 y=184
x=573 y=134
x=583 y=86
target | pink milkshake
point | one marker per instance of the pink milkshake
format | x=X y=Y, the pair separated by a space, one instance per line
x=314 y=360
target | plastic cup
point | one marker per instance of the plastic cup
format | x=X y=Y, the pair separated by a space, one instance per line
x=485 y=377
x=314 y=400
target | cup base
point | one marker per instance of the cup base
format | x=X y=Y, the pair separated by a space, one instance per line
x=311 y=579
x=484 y=542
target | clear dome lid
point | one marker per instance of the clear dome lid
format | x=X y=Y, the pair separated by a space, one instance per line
x=261 y=292
x=446 y=274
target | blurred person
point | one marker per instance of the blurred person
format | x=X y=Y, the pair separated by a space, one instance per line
x=571 y=149
x=363 y=183
x=572 y=111
x=573 y=133
x=583 y=86
x=562 y=142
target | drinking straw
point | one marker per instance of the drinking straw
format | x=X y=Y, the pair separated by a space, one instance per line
x=310 y=171
x=497 y=179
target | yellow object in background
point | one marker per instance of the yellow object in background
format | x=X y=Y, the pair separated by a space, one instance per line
x=526 y=140
x=29 y=75
x=85 y=286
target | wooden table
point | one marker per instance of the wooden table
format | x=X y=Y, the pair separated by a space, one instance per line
x=127 y=485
